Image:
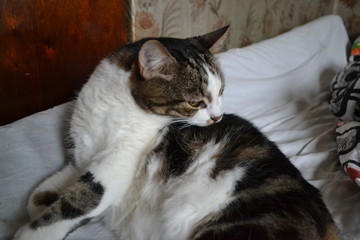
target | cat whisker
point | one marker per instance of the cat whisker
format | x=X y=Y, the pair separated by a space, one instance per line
x=184 y=122
x=186 y=125
x=179 y=120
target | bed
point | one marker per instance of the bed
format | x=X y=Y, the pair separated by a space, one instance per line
x=280 y=84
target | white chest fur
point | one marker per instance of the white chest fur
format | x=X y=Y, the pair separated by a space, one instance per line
x=106 y=117
x=111 y=132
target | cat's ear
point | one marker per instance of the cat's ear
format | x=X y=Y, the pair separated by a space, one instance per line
x=156 y=61
x=214 y=41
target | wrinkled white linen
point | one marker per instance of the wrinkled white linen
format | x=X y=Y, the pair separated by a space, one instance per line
x=280 y=84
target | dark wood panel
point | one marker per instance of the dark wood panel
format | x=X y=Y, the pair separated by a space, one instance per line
x=48 y=48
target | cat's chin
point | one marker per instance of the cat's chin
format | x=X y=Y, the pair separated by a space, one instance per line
x=203 y=123
x=206 y=117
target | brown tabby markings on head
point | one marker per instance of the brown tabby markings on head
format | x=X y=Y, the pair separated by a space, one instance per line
x=169 y=96
x=167 y=73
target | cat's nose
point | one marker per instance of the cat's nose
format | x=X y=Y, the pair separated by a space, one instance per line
x=216 y=118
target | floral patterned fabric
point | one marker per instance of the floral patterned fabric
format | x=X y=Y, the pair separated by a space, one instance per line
x=251 y=21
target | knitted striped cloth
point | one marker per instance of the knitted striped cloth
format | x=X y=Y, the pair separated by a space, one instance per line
x=345 y=105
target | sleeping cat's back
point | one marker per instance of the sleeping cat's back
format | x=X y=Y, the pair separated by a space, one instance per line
x=225 y=181
x=270 y=200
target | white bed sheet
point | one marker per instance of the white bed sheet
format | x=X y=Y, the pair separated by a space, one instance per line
x=280 y=84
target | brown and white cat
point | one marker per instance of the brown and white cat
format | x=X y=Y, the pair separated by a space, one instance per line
x=149 y=158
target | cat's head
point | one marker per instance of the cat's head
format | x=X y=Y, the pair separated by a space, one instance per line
x=180 y=78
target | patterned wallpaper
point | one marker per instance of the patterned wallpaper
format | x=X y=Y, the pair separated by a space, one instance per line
x=251 y=20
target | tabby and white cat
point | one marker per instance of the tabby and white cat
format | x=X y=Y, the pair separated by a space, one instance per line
x=151 y=161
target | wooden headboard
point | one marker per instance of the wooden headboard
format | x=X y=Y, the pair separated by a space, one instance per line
x=49 y=48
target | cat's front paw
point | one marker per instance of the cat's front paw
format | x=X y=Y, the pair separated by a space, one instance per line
x=39 y=202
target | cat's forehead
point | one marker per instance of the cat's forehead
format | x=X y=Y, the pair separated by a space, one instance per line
x=203 y=81
x=208 y=79
x=214 y=83
x=198 y=68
